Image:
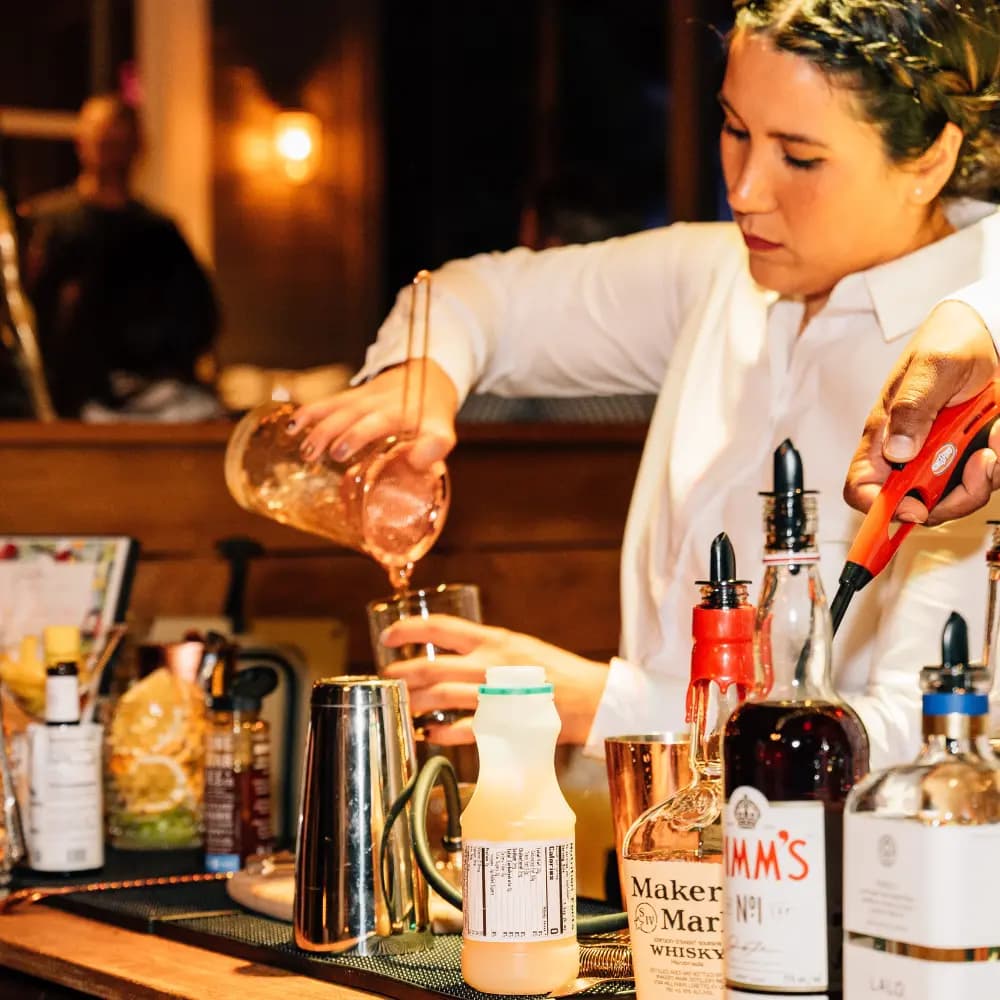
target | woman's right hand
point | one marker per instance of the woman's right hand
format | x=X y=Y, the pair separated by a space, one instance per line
x=344 y=423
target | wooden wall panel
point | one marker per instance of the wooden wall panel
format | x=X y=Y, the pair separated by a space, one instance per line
x=537 y=518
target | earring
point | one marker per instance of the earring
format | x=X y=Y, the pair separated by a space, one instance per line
x=918 y=192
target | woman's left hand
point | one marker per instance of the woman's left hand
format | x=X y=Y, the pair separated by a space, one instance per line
x=950 y=358
x=451 y=680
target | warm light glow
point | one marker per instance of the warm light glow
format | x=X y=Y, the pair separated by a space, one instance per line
x=297 y=141
x=294 y=143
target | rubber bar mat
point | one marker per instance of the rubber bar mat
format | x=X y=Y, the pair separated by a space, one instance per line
x=203 y=915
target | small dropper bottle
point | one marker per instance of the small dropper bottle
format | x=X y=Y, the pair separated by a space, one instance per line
x=66 y=825
x=62 y=675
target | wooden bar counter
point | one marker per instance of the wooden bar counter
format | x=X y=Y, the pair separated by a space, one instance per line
x=536 y=520
x=45 y=954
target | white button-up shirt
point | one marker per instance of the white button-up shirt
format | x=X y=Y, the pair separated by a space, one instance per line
x=674 y=311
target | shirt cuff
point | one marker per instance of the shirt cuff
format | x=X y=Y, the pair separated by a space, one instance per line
x=984 y=297
x=636 y=702
x=450 y=347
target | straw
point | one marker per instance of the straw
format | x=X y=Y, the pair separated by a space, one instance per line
x=422 y=278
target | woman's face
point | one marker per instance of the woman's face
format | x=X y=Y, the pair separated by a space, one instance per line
x=807 y=178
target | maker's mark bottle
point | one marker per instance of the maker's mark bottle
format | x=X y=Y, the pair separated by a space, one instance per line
x=673 y=852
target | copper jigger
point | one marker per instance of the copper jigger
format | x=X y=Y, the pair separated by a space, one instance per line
x=643 y=771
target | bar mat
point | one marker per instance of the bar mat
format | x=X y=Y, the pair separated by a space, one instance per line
x=203 y=915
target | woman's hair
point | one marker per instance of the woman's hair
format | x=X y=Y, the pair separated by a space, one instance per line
x=915 y=64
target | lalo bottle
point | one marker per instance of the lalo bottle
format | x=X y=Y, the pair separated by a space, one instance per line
x=66 y=820
x=518 y=844
x=791 y=754
x=921 y=878
x=673 y=852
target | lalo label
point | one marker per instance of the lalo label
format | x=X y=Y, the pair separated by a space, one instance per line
x=519 y=891
x=775 y=881
x=675 y=927
x=923 y=887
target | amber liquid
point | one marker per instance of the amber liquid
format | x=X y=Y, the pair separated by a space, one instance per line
x=797 y=752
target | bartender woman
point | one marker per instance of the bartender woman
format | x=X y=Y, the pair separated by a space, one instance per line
x=856 y=139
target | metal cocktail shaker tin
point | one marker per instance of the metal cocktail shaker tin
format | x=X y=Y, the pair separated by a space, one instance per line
x=351 y=890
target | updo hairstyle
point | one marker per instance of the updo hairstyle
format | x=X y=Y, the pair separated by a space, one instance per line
x=915 y=65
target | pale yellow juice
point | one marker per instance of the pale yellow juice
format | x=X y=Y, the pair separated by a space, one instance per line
x=519 y=870
x=515 y=967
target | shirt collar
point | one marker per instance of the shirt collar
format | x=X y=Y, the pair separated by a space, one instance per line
x=903 y=291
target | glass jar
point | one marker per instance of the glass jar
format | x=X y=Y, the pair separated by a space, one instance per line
x=155 y=755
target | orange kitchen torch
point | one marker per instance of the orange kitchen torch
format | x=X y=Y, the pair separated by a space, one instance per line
x=957 y=432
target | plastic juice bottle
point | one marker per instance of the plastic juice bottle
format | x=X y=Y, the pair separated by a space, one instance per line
x=518 y=837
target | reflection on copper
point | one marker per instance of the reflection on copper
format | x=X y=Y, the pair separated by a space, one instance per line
x=643 y=771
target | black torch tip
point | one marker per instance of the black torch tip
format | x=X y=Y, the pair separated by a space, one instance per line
x=787 y=469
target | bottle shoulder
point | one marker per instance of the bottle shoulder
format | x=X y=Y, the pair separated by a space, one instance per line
x=953 y=789
x=687 y=826
x=760 y=717
x=495 y=813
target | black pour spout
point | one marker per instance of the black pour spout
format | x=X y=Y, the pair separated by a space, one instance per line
x=725 y=591
x=955 y=673
x=788 y=526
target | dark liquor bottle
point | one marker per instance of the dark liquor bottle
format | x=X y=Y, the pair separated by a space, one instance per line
x=791 y=754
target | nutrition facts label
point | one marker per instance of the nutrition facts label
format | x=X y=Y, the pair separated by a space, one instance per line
x=519 y=891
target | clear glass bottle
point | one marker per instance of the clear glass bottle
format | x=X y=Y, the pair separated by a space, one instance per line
x=921 y=879
x=791 y=754
x=672 y=854
x=518 y=844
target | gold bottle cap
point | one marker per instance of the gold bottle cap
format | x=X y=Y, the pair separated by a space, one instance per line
x=62 y=643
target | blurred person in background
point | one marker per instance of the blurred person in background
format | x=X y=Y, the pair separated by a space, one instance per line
x=125 y=312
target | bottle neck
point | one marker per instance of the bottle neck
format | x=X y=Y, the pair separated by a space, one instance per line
x=793 y=635
x=954 y=728
x=516 y=735
x=711 y=706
